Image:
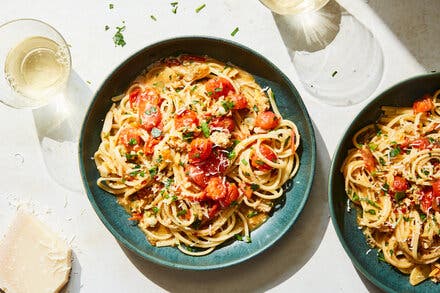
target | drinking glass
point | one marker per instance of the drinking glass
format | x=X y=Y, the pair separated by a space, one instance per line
x=337 y=58
x=36 y=64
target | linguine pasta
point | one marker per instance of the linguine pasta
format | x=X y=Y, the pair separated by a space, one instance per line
x=393 y=177
x=196 y=152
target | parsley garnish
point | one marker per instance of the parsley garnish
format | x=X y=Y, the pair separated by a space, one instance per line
x=200 y=8
x=235 y=31
x=218 y=89
x=372 y=146
x=132 y=141
x=231 y=155
x=255 y=108
x=205 y=129
x=380 y=256
x=227 y=105
x=422 y=217
x=155 y=210
x=111 y=6
x=193 y=89
x=355 y=197
x=174 y=5
x=255 y=186
x=118 y=38
x=385 y=187
x=244 y=162
x=238 y=237
x=252 y=214
x=382 y=161
x=153 y=171
x=395 y=151
x=168 y=183
x=188 y=136
x=398 y=196
x=371 y=212
x=181 y=213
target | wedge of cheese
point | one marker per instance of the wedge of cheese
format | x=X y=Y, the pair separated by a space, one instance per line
x=33 y=258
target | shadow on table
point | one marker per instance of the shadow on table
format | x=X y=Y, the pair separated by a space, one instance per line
x=369 y=285
x=268 y=269
x=74 y=284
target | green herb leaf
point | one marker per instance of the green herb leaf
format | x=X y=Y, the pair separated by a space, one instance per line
x=255 y=108
x=371 y=212
x=382 y=161
x=118 y=38
x=106 y=28
x=205 y=129
x=398 y=196
x=395 y=151
x=111 y=6
x=244 y=162
x=227 y=105
x=181 y=213
x=255 y=187
x=231 y=155
x=238 y=237
x=355 y=197
x=168 y=183
x=380 y=256
x=133 y=141
x=385 y=187
x=153 y=17
x=422 y=217
x=372 y=146
x=200 y=8
x=153 y=171
x=155 y=210
x=235 y=31
x=188 y=136
x=252 y=214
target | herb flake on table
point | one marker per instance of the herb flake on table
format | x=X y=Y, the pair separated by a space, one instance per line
x=106 y=27
x=175 y=6
x=198 y=9
x=334 y=73
x=118 y=38
x=235 y=31
x=153 y=17
x=111 y=6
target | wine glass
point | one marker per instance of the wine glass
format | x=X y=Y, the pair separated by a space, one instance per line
x=337 y=58
x=36 y=63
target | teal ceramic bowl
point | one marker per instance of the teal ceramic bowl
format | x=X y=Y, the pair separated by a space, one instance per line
x=381 y=274
x=291 y=106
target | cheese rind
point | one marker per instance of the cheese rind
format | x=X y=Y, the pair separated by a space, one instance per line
x=33 y=259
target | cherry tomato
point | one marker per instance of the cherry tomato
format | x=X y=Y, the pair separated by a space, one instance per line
x=216 y=188
x=239 y=101
x=149 y=145
x=131 y=138
x=151 y=96
x=197 y=175
x=369 y=161
x=200 y=149
x=186 y=119
x=259 y=164
x=170 y=62
x=421 y=143
x=423 y=105
x=247 y=190
x=218 y=86
x=134 y=96
x=436 y=188
x=136 y=217
x=192 y=58
x=231 y=195
x=400 y=184
x=426 y=199
x=267 y=120
x=150 y=115
x=213 y=210
x=222 y=123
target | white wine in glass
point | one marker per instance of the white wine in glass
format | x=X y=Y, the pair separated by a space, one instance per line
x=294 y=6
x=37 y=68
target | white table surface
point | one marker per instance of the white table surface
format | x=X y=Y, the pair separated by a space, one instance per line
x=308 y=259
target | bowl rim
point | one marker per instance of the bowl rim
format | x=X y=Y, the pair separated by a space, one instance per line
x=195 y=267
x=334 y=169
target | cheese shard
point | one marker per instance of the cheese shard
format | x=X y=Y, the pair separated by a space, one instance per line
x=33 y=258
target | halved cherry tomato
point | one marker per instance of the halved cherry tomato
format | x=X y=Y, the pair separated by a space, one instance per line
x=247 y=190
x=131 y=138
x=213 y=210
x=149 y=145
x=197 y=175
x=400 y=184
x=239 y=101
x=134 y=96
x=231 y=195
x=218 y=86
x=259 y=164
x=267 y=120
x=200 y=149
x=171 y=61
x=222 y=123
x=151 y=96
x=186 y=119
x=426 y=199
x=216 y=188
x=436 y=188
x=150 y=115
x=421 y=143
x=423 y=105
x=136 y=217
x=369 y=161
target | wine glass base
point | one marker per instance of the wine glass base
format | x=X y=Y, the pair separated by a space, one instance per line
x=346 y=71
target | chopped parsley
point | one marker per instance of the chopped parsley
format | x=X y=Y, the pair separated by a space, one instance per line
x=155 y=210
x=118 y=38
x=198 y=9
x=372 y=146
x=355 y=197
x=181 y=213
x=168 y=183
x=371 y=212
x=111 y=6
x=385 y=187
x=153 y=17
x=380 y=256
x=231 y=155
x=235 y=31
x=174 y=5
x=244 y=162
x=156 y=132
x=255 y=108
x=395 y=151
x=218 y=89
x=382 y=161
x=398 y=196
x=188 y=136
x=227 y=105
x=133 y=141
x=151 y=110
x=193 y=89
x=255 y=187
x=238 y=237
x=370 y=202
x=422 y=217
x=252 y=214
x=153 y=171
x=205 y=129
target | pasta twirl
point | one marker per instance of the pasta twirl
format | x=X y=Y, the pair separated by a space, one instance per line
x=196 y=152
x=393 y=176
